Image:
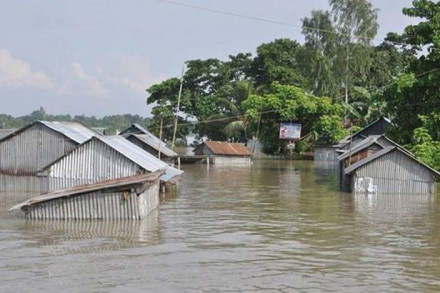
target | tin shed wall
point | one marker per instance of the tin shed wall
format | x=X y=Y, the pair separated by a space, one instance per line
x=30 y=150
x=98 y=205
x=232 y=160
x=394 y=173
x=11 y=184
x=92 y=162
x=325 y=154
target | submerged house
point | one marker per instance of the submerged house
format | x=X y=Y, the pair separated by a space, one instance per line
x=390 y=169
x=131 y=197
x=225 y=153
x=149 y=142
x=25 y=151
x=326 y=152
x=153 y=145
x=103 y=158
x=135 y=128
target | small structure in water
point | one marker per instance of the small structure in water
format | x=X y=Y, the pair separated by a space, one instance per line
x=131 y=197
x=103 y=158
x=149 y=142
x=25 y=151
x=225 y=153
x=325 y=152
x=375 y=168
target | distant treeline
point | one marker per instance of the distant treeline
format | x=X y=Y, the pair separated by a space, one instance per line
x=112 y=123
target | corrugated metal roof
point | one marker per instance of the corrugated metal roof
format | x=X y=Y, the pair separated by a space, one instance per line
x=135 y=128
x=381 y=153
x=226 y=148
x=6 y=132
x=73 y=130
x=154 y=142
x=346 y=139
x=139 y=156
x=373 y=139
x=86 y=188
x=141 y=128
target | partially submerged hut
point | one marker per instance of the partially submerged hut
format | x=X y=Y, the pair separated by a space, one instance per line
x=390 y=170
x=103 y=158
x=153 y=145
x=135 y=128
x=325 y=152
x=131 y=197
x=149 y=142
x=225 y=153
x=25 y=151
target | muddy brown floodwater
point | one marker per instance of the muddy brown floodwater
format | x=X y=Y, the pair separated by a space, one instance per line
x=278 y=226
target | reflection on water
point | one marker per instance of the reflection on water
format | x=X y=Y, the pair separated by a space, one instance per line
x=278 y=226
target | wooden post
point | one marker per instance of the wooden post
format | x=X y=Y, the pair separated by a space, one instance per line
x=178 y=163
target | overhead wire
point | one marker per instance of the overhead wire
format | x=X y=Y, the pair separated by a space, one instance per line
x=272 y=21
x=276 y=22
x=261 y=19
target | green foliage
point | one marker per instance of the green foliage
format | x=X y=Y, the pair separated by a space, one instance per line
x=291 y=103
x=329 y=129
x=277 y=61
x=415 y=93
x=300 y=147
x=425 y=148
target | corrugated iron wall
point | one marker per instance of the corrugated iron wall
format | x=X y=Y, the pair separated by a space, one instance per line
x=325 y=154
x=23 y=155
x=99 y=205
x=396 y=173
x=92 y=162
x=11 y=184
x=32 y=149
x=232 y=160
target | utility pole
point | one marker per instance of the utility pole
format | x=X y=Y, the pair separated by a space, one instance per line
x=178 y=107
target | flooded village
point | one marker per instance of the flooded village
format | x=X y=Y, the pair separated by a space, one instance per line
x=70 y=191
x=221 y=146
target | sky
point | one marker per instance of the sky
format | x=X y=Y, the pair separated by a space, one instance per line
x=98 y=57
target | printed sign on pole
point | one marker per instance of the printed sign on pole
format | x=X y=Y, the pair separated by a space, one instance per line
x=290 y=131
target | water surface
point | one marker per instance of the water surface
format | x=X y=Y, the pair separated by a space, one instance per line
x=278 y=226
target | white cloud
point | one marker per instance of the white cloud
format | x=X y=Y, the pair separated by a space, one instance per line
x=79 y=82
x=16 y=73
x=129 y=73
x=112 y=84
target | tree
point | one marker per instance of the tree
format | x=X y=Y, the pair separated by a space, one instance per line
x=355 y=23
x=277 y=61
x=290 y=103
x=415 y=93
x=319 y=54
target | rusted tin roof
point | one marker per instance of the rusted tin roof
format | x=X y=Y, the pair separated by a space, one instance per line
x=135 y=180
x=226 y=148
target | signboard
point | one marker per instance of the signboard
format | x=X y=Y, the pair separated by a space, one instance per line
x=290 y=131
